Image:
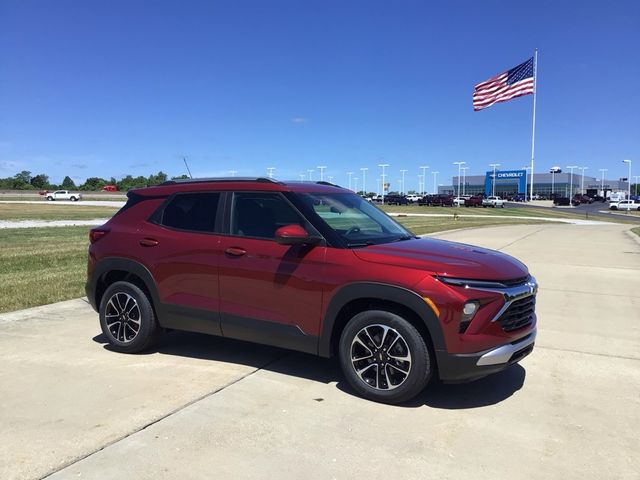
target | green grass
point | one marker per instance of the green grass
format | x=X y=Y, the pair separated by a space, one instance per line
x=422 y=225
x=41 y=265
x=636 y=231
x=49 y=211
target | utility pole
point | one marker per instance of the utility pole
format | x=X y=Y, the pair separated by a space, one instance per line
x=321 y=168
x=403 y=171
x=364 y=179
x=270 y=171
x=435 y=186
x=571 y=167
x=464 y=180
x=350 y=174
x=459 y=164
x=383 y=166
x=582 y=181
x=602 y=170
x=424 y=178
x=493 y=187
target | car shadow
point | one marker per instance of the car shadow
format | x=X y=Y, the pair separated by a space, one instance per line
x=486 y=391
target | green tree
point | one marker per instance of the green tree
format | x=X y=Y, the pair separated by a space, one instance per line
x=157 y=179
x=93 y=183
x=24 y=176
x=40 y=181
x=68 y=184
x=181 y=177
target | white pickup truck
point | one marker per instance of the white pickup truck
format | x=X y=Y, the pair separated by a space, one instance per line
x=63 y=195
x=493 y=202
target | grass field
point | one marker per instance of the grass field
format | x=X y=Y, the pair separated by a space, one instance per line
x=636 y=231
x=49 y=211
x=41 y=265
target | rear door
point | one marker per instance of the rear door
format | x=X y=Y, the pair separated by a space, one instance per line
x=181 y=246
x=269 y=293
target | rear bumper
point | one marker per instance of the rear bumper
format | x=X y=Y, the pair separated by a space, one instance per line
x=471 y=366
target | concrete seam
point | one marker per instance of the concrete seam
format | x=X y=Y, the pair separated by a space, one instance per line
x=167 y=415
x=521 y=238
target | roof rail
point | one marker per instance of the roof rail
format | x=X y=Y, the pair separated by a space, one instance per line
x=221 y=179
x=322 y=182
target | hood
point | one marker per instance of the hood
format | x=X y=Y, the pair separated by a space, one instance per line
x=448 y=259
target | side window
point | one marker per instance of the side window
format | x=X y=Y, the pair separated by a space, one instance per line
x=192 y=211
x=259 y=215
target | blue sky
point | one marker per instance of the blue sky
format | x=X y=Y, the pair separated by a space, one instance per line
x=92 y=88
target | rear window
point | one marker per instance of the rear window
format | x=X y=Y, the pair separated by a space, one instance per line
x=194 y=212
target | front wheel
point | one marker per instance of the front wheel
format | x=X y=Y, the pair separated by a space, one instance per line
x=50 y=199
x=127 y=318
x=384 y=358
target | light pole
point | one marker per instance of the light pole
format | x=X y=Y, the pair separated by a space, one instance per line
x=364 y=179
x=321 y=168
x=424 y=177
x=270 y=171
x=383 y=166
x=526 y=188
x=553 y=171
x=420 y=183
x=602 y=170
x=403 y=173
x=435 y=177
x=571 y=167
x=582 y=181
x=310 y=172
x=350 y=174
x=629 y=180
x=464 y=180
x=493 y=187
x=355 y=183
x=459 y=164
x=233 y=172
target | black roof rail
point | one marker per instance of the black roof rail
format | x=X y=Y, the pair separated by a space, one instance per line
x=322 y=182
x=220 y=179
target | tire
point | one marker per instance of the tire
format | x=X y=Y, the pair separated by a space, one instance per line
x=396 y=385
x=73 y=199
x=124 y=337
x=50 y=199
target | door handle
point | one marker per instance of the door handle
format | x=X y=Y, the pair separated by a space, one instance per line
x=148 y=242
x=235 y=251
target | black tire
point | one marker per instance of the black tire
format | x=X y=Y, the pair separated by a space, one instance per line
x=419 y=368
x=120 y=335
x=50 y=199
x=74 y=199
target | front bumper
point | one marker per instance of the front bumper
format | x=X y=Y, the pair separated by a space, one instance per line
x=471 y=366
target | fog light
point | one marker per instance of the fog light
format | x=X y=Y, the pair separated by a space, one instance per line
x=468 y=312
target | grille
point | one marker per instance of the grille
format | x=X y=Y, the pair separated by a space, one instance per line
x=519 y=314
x=515 y=282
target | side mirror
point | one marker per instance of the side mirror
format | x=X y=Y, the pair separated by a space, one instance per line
x=295 y=235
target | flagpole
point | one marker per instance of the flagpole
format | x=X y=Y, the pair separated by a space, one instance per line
x=533 y=133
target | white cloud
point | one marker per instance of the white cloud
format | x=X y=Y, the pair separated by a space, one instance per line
x=299 y=120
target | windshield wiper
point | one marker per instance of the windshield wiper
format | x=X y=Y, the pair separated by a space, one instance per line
x=404 y=237
x=360 y=244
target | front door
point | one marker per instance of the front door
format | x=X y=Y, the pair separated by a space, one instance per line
x=269 y=293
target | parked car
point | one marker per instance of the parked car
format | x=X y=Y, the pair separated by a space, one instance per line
x=441 y=200
x=313 y=268
x=63 y=195
x=475 y=201
x=414 y=198
x=579 y=199
x=562 y=201
x=458 y=201
x=493 y=202
x=396 y=200
x=625 y=205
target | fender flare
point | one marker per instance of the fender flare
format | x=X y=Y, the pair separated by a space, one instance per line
x=109 y=264
x=384 y=292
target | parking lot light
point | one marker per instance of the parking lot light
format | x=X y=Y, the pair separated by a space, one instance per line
x=493 y=189
x=628 y=180
x=571 y=167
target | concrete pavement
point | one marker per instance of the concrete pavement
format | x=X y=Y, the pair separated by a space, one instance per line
x=201 y=406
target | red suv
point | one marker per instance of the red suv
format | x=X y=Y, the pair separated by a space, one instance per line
x=310 y=267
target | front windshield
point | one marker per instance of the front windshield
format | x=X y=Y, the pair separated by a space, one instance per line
x=355 y=220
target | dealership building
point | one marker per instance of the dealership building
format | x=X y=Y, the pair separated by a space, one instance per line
x=512 y=182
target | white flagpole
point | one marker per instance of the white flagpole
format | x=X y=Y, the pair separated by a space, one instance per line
x=533 y=133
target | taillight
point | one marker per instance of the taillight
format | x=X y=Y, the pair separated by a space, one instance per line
x=96 y=234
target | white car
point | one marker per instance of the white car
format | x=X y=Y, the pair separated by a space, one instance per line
x=459 y=201
x=414 y=198
x=625 y=205
x=63 y=195
x=493 y=202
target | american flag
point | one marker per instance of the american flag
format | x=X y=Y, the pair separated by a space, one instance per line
x=511 y=84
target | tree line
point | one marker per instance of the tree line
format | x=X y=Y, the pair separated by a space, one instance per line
x=26 y=181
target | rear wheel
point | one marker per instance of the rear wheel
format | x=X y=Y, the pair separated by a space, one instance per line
x=50 y=199
x=73 y=199
x=383 y=357
x=127 y=318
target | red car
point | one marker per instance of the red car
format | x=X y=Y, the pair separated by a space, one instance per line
x=475 y=201
x=313 y=268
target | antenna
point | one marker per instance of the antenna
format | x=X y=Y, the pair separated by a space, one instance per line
x=184 y=159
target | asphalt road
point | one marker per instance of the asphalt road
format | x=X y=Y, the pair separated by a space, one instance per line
x=591 y=211
x=203 y=407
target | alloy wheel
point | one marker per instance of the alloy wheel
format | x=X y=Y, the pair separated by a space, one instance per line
x=122 y=317
x=380 y=357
